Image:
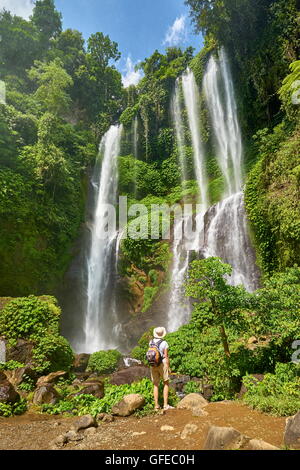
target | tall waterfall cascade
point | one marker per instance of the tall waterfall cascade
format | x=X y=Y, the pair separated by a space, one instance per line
x=100 y=317
x=222 y=228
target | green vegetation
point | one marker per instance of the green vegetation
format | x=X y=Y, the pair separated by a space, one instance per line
x=104 y=362
x=87 y=404
x=62 y=95
x=278 y=393
x=37 y=320
x=7 y=410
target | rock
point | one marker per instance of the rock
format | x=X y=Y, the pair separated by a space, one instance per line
x=59 y=441
x=95 y=388
x=45 y=394
x=108 y=419
x=90 y=431
x=292 y=432
x=73 y=436
x=128 y=405
x=21 y=352
x=17 y=376
x=3 y=377
x=105 y=418
x=252 y=340
x=257 y=378
x=188 y=430
x=130 y=375
x=191 y=401
x=81 y=362
x=197 y=411
x=130 y=362
x=223 y=438
x=136 y=434
x=258 y=444
x=179 y=381
x=51 y=378
x=84 y=422
x=167 y=428
x=7 y=392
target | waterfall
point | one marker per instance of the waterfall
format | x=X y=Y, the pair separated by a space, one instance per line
x=222 y=229
x=179 y=307
x=176 y=111
x=99 y=317
x=219 y=92
x=226 y=236
x=226 y=233
x=192 y=102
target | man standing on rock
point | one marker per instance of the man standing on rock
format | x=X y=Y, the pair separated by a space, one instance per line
x=158 y=358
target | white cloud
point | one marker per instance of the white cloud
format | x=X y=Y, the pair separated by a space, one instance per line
x=131 y=77
x=18 y=7
x=176 y=33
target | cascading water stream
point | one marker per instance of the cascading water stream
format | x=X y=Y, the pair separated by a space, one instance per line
x=176 y=111
x=99 y=324
x=226 y=234
x=218 y=89
x=227 y=238
x=191 y=98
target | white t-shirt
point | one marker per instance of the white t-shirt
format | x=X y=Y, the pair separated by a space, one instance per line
x=162 y=347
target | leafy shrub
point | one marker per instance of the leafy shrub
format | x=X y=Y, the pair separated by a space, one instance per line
x=278 y=393
x=104 y=362
x=53 y=353
x=7 y=410
x=37 y=320
x=11 y=365
x=149 y=295
x=192 y=387
x=29 y=318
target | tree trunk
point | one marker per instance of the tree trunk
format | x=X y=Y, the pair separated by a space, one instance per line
x=225 y=341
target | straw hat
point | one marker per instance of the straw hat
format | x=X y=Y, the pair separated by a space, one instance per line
x=159 y=332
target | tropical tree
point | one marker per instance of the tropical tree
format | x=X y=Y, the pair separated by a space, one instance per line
x=216 y=303
x=53 y=81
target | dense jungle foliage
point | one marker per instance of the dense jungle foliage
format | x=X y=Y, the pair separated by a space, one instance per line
x=62 y=94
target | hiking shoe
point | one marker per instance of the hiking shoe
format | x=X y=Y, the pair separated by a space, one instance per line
x=169 y=407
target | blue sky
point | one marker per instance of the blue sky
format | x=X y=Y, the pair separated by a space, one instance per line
x=138 y=26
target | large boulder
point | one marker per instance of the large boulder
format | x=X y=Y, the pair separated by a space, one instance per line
x=128 y=405
x=21 y=352
x=7 y=392
x=192 y=401
x=179 y=381
x=81 y=362
x=130 y=375
x=258 y=444
x=51 y=378
x=292 y=432
x=95 y=388
x=45 y=394
x=222 y=438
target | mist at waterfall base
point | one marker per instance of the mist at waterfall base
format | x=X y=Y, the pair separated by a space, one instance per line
x=95 y=319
